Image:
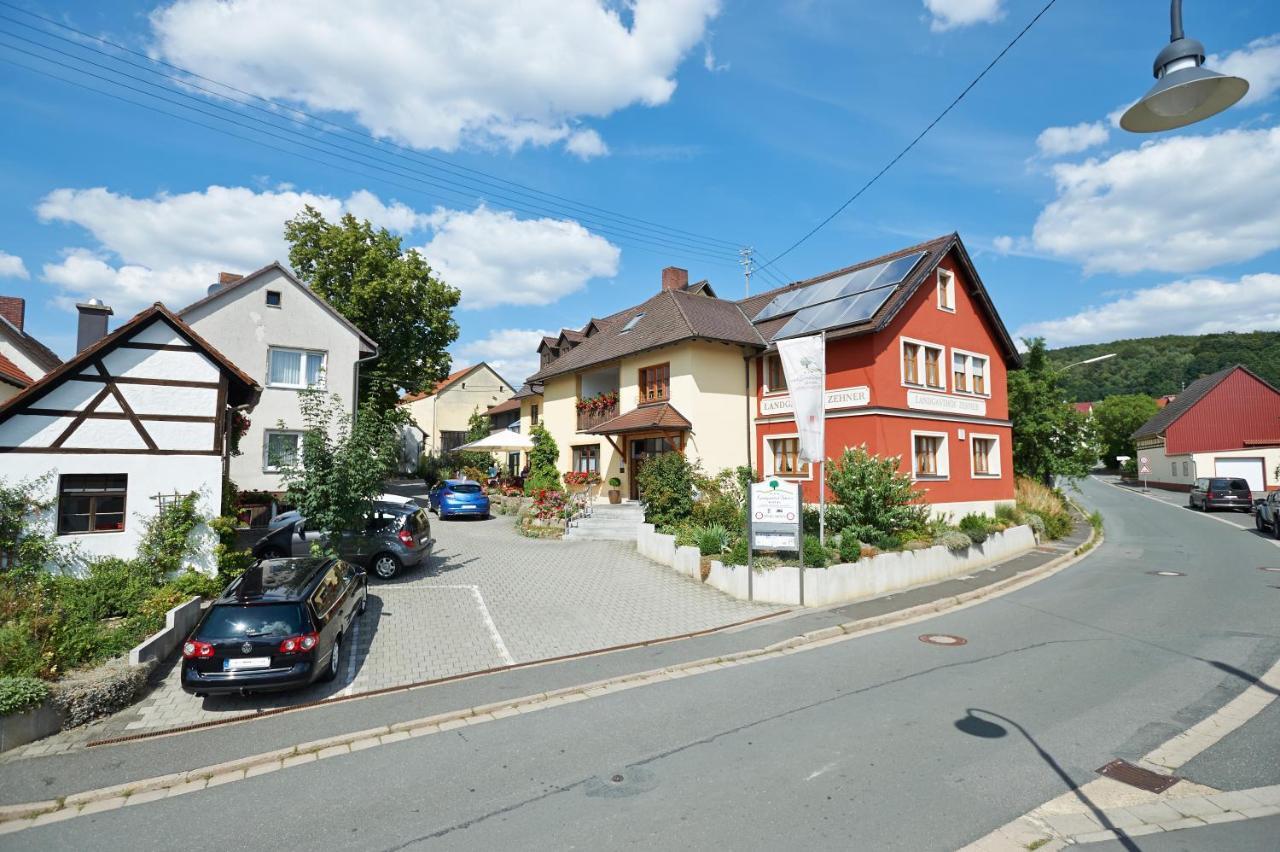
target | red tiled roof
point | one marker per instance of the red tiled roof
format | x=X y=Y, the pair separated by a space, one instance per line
x=440 y=385
x=662 y=416
x=12 y=374
x=1083 y=407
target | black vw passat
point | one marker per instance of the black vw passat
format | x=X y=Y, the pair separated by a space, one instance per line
x=279 y=625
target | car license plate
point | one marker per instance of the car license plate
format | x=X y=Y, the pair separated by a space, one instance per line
x=241 y=663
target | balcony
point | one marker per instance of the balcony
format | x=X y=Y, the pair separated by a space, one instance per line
x=596 y=410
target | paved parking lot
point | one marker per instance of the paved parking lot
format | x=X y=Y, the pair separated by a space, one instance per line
x=489 y=597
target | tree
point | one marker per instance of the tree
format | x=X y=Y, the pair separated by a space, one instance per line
x=544 y=461
x=1117 y=418
x=342 y=467
x=388 y=293
x=1050 y=438
x=477 y=425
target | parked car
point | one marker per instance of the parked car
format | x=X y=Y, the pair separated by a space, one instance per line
x=394 y=536
x=279 y=625
x=1266 y=514
x=1217 y=492
x=459 y=497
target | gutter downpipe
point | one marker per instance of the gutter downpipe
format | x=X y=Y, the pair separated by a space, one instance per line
x=355 y=383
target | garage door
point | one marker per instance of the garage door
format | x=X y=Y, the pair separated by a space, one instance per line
x=1249 y=470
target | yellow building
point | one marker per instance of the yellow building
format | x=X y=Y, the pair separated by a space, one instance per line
x=440 y=417
x=633 y=385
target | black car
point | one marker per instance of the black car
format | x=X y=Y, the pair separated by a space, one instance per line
x=1220 y=492
x=393 y=536
x=279 y=625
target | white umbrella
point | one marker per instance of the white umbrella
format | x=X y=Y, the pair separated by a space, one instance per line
x=504 y=440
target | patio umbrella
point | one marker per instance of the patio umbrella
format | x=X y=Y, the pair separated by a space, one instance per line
x=504 y=440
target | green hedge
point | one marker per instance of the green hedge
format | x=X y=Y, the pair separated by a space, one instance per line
x=20 y=694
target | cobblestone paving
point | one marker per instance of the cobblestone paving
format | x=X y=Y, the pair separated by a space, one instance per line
x=488 y=598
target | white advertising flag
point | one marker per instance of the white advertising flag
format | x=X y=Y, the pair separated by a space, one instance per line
x=805 y=365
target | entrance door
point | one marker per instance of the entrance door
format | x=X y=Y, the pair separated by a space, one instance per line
x=643 y=449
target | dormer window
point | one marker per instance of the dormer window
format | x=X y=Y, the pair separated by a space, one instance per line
x=631 y=323
x=946 y=291
x=273 y=298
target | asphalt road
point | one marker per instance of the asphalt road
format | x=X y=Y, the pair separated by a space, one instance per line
x=854 y=745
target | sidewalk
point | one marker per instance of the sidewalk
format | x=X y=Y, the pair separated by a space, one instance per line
x=59 y=775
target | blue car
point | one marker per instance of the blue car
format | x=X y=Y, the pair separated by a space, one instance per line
x=459 y=497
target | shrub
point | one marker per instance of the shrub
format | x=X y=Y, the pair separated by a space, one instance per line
x=975 y=526
x=738 y=552
x=19 y=694
x=1095 y=520
x=850 y=547
x=954 y=540
x=1034 y=497
x=1035 y=522
x=166 y=544
x=1057 y=526
x=544 y=459
x=615 y=482
x=711 y=540
x=194 y=583
x=815 y=555
x=1010 y=513
x=874 y=493
x=85 y=696
x=890 y=541
x=1129 y=470
x=666 y=486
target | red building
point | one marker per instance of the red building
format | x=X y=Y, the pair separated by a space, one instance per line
x=917 y=369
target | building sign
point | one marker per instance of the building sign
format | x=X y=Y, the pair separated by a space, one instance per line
x=841 y=398
x=775 y=515
x=946 y=404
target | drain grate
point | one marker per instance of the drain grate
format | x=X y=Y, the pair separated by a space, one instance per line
x=1136 y=776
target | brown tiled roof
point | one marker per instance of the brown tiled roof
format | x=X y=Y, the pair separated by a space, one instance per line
x=243 y=389
x=34 y=349
x=440 y=385
x=659 y=416
x=527 y=390
x=512 y=404
x=670 y=316
x=1184 y=401
x=11 y=373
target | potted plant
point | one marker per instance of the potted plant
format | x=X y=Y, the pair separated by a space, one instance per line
x=615 y=494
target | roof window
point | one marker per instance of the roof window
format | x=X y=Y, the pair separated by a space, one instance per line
x=631 y=323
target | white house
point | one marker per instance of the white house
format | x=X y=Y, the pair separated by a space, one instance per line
x=288 y=339
x=23 y=359
x=135 y=418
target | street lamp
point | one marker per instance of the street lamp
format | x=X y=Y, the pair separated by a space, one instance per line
x=1091 y=360
x=1185 y=92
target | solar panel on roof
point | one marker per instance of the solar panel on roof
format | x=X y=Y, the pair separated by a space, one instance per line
x=886 y=274
x=841 y=312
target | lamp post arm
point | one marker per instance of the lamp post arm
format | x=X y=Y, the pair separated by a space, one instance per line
x=1175 y=20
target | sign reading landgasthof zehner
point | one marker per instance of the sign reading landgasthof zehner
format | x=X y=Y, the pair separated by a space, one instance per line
x=775 y=515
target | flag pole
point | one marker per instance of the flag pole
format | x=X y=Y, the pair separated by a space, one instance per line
x=822 y=472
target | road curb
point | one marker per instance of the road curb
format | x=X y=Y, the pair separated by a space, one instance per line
x=33 y=814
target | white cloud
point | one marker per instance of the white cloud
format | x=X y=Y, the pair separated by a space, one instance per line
x=1004 y=244
x=1057 y=141
x=513 y=352
x=709 y=60
x=949 y=14
x=169 y=247
x=1198 y=306
x=586 y=144
x=1258 y=62
x=11 y=266
x=439 y=73
x=1179 y=204
x=496 y=259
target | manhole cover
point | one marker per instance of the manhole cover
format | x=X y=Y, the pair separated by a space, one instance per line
x=1272 y=570
x=631 y=781
x=1166 y=573
x=943 y=639
x=1136 y=776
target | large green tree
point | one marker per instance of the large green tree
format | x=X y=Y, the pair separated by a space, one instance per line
x=1117 y=417
x=388 y=293
x=1050 y=438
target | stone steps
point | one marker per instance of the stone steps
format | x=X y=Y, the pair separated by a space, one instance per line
x=608 y=523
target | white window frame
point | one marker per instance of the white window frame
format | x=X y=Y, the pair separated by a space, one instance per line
x=950 y=278
x=944 y=365
x=807 y=476
x=302 y=372
x=968 y=372
x=993 y=458
x=944 y=456
x=266 y=446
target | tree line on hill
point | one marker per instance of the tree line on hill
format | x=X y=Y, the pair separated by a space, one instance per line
x=1155 y=366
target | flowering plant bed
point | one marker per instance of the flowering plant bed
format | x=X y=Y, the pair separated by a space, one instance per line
x=602 y=401
x=581 y=478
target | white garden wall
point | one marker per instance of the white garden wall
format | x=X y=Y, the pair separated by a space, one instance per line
x=877 y=575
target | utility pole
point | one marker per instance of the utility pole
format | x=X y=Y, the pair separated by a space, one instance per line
x=747 y=264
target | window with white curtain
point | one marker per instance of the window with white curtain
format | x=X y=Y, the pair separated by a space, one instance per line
x=295 y=368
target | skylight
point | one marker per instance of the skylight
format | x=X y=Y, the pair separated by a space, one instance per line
x=631 y=323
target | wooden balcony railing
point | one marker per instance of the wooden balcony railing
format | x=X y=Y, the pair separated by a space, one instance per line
x=591 y=418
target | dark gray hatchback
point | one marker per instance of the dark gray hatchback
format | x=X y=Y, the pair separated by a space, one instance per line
x=279 y=625
x=392 y=536
x=1220 y=492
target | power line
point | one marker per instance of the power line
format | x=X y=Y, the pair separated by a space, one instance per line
x=913 y=142
x=623 y=235
x=444 y=164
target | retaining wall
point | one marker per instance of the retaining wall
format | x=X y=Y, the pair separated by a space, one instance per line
x=876 y=575
x=177 y=624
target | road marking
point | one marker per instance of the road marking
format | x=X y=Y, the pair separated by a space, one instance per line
x=1207 y=515
x=501 y=646
x=351 y=656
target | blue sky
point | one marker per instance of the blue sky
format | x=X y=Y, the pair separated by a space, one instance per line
x=743 y=122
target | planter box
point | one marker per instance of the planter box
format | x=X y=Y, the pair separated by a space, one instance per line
x=19 y=729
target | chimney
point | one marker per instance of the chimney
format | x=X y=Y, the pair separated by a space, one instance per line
x=675 y=278
x=13 y=308
x=93 y=323
x=224 y=278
